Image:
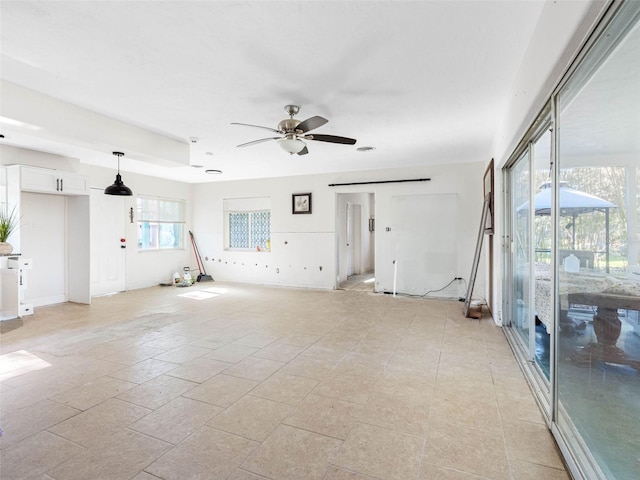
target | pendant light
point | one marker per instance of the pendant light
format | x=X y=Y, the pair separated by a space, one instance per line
x=118 y=187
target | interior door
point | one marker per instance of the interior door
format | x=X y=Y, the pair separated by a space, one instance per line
x=350 y=240
x=356 y=233
x=108 y=257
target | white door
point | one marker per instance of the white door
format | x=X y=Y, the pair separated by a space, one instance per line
x=108 y=258
x=349 y=249
x=424 y=243
x=356 y=232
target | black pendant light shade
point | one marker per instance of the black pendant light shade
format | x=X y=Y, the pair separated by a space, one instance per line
x=118 y=187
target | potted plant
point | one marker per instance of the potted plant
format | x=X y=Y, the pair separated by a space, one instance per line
x=8 y=224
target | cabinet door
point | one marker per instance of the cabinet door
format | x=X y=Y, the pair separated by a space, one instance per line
x=9 y=289
x=43 y=180
x=39 y=180
x=72 y=184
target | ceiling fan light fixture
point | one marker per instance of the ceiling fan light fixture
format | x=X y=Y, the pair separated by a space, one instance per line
x=292 y=145
x=118 y=187
x=295 y=133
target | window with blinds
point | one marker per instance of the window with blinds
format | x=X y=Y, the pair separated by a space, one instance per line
x=161 y=223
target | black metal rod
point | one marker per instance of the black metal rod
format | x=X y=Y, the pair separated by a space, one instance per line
x=380 y=181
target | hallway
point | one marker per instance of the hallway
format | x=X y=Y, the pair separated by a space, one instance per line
x=359 y=283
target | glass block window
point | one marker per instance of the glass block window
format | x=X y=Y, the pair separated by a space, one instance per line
x=239 y=230
x=249 y=230
x=260 y=229
x=161 y=223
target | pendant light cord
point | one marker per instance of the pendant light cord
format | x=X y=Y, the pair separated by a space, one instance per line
x=118 y=154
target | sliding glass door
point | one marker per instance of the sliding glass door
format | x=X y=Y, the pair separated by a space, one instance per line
x=542 y=237
x=598 y=247
x=573 y=254
x=531 y=228
x=521 y=306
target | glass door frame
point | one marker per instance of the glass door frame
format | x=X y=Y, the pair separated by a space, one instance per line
x=544 y=393
x=524 y=344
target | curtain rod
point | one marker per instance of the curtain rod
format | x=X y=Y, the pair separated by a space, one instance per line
x=380 y=181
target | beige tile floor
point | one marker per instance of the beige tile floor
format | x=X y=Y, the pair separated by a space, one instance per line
x=247 y=382
x=362 y=283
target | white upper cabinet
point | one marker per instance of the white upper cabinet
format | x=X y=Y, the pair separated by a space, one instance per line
x=73 y=184
x=44 y=180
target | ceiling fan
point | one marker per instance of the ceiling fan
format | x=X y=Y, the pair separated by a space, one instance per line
x=294 y=133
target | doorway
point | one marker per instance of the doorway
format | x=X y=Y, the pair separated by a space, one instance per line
x=354 y=235
x=355 y=241
x=108 y=257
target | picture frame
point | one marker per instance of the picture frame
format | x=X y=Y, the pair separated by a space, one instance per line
x=301 y=203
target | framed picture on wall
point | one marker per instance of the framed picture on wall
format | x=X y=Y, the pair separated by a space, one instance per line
x=301 y=203
x=488 y=190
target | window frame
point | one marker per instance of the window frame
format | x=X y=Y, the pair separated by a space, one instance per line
x=159 y=222
x=227 y=230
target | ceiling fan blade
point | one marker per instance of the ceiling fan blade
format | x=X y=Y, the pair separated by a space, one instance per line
x=304 y=151
x=331 y=139
x=259 y=141
x=257 y=126
x=311 y=123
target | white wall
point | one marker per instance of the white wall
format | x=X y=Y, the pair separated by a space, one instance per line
x=562 y=28
x=463 y=180
x=423 y=242
x=303 y=247
x=21 y=156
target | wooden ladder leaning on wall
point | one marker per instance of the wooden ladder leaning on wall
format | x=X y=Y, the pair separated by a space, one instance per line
x=476 y=259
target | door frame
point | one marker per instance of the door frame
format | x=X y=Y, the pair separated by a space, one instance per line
x=361 y=235
x=544 y=388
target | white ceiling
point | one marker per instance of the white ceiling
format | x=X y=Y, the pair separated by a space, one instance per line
x=424 y=82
